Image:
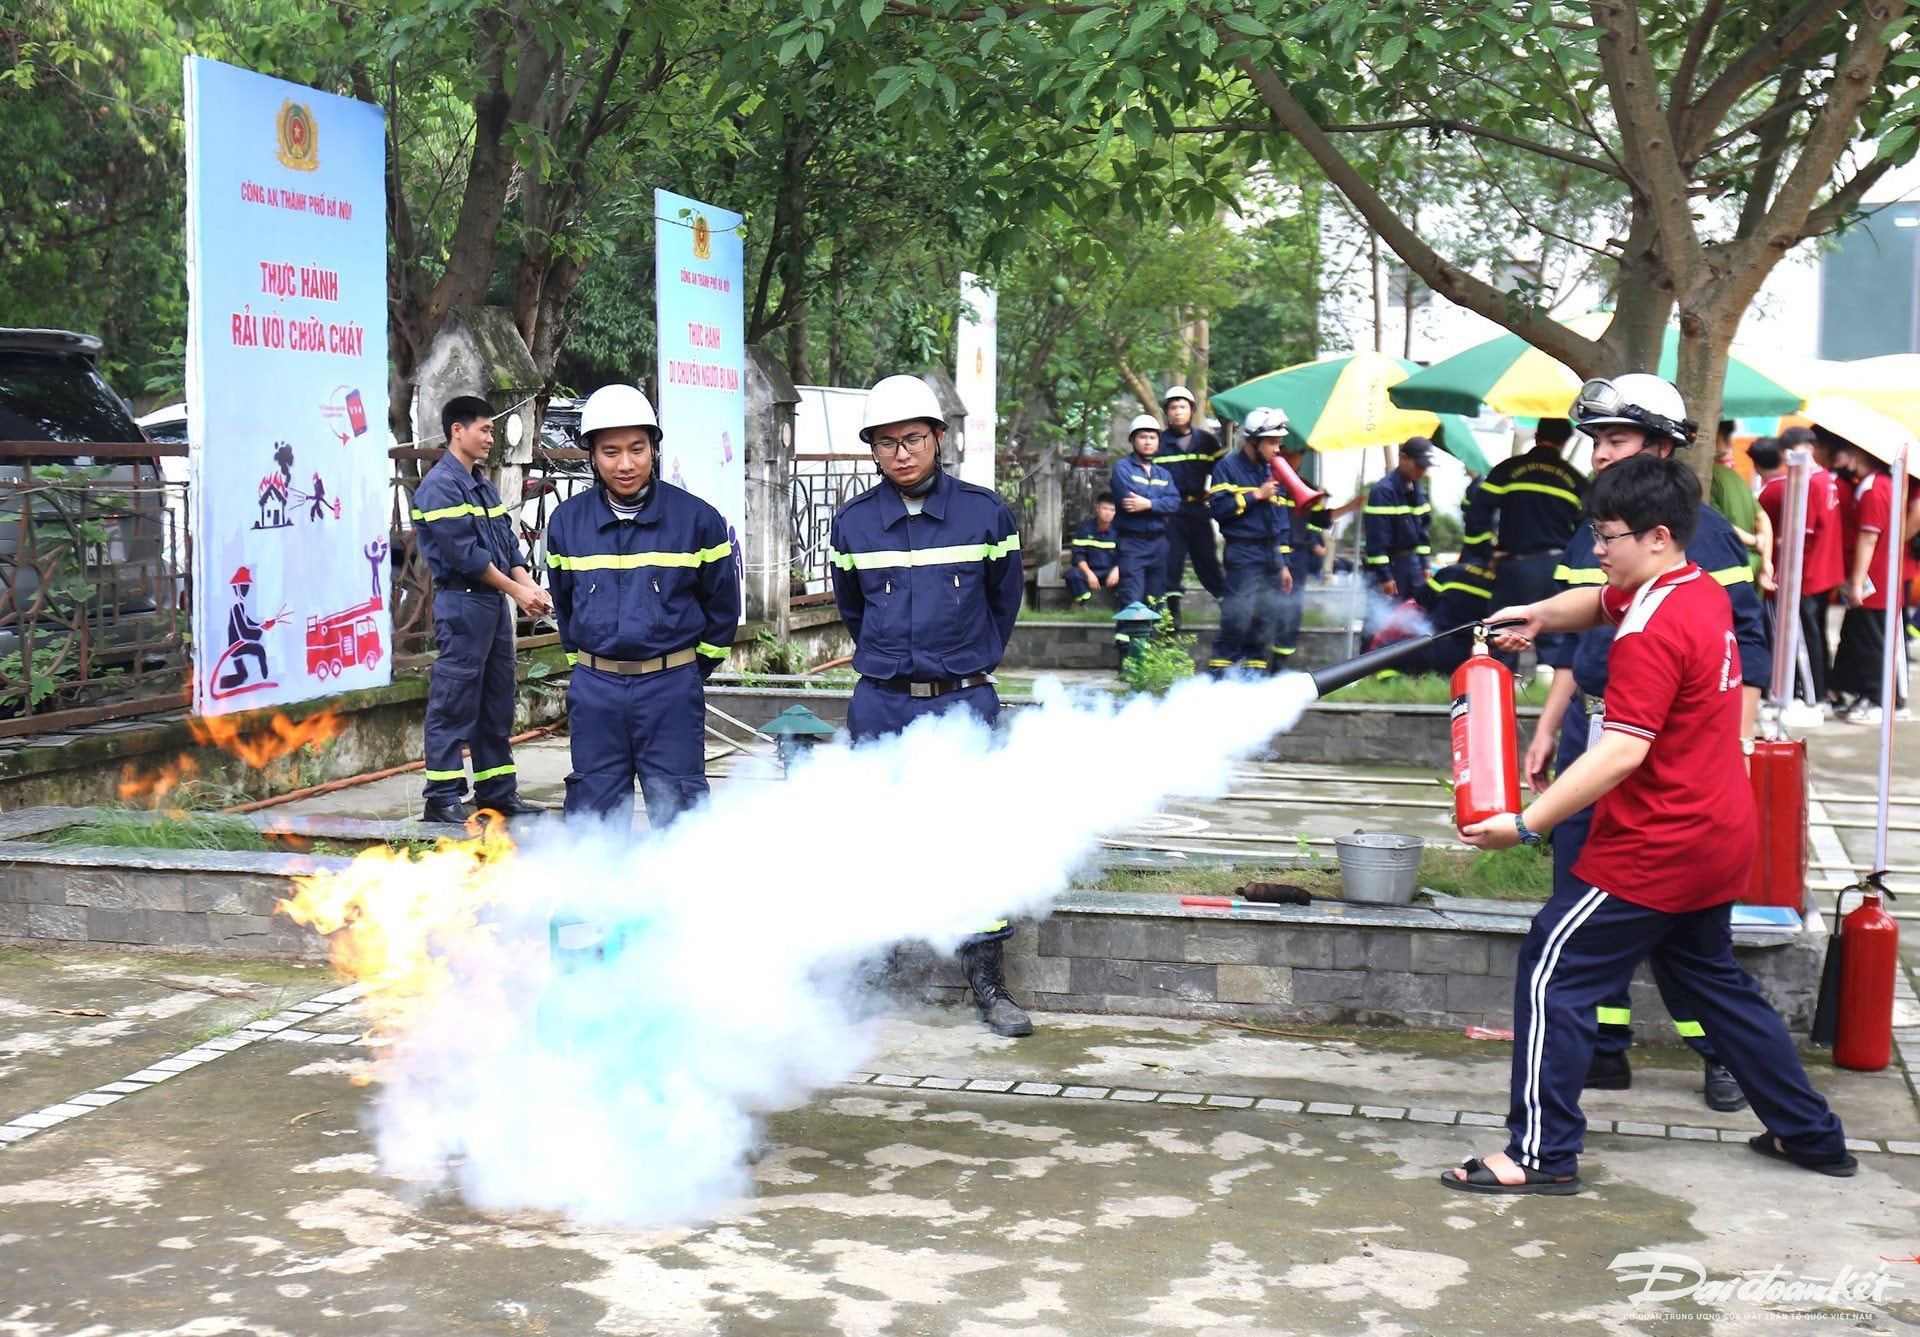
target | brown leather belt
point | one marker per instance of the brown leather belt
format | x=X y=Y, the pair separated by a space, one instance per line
x=633 y=668
x=924 y=690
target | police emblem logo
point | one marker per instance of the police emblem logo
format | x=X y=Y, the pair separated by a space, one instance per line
x=299 y=137
x=702 y=238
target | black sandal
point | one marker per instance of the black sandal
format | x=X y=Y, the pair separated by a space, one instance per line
x=1839 y=1167
x=1479 y=1179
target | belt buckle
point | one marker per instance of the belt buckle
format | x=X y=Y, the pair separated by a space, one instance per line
x=923 y=690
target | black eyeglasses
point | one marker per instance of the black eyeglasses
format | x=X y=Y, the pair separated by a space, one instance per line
x=1606 y=541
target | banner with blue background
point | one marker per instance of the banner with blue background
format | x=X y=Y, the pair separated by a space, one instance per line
x=286 y=390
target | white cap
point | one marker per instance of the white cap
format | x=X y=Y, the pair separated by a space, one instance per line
x=900 y=399
x=1266 y=422
x=1145 y=422
x=618 y=406
x=1176 y=392
x=1638 y=399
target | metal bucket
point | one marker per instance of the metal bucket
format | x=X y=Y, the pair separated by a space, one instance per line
x=1379 y=869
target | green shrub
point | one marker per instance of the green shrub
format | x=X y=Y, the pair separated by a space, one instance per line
x=1166 y=659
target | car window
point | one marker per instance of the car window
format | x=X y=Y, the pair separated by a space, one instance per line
x=58 y=397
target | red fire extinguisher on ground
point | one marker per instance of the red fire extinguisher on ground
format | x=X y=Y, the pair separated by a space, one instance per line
x=1779 y=770
x=1486 y=751
x=1869 y=948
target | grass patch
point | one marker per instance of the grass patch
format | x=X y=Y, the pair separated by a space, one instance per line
x=1212 y=879
x=1519 y=874
x=137 y=830
x=1097 y=610
x=1418 y=689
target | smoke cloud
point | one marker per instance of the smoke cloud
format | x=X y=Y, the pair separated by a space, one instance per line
x=624 y=1089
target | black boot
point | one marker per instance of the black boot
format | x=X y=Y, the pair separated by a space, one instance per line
x=1173 y=610
x=997 y=1008
x=512 y=806
x=1609 y=1072
x=450 y=811
x=1722 y=1092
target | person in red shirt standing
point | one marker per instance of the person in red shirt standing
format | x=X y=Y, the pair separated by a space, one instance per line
x=1821 y=571
x=1671 y=847
x=1871 y=523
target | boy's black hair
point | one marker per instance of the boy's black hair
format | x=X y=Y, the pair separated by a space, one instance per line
x=1553 y=431
x=1796 y=436
x=1728 y=427
x=1765 y=453
x=463 y=411
x=1106 y=497
x=1644 y=491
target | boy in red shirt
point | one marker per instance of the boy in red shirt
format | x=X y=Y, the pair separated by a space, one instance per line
x=1821 y=569
x=1671 y=847
x=1871 y=522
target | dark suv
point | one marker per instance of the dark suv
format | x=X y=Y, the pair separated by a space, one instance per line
x=88 y=577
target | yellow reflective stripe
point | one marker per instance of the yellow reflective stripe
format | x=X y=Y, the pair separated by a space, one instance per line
x=949 y=556
x=1388 y=510
x=1095 y=543
x=1164 y=460
x=1138 y=481
x=1691 y=1029
x=1232 y=487
x=1423 y=550
x=627 y=561
x=1733 y=575
x=1284 y=649
x=1219 y=663
x=1376 y=561
x=494 y=771
x=994 y=927
x=1614 y=1016
x=445 y=775
x=1445 y=585
x=712 y=651
x=449 y=512
x=1584 y=575
x=1544 y=490
x=573 y=660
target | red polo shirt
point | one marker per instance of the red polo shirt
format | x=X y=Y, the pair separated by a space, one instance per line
x=1873 y=514
x=1821 y=567
x=1679 y=833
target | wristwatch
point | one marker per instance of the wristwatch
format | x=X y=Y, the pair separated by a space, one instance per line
x=1526 y=837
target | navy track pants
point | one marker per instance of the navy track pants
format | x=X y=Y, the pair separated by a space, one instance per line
x=470 y=697
x=651 y=725
x=1143 y=568
x=1190 y=534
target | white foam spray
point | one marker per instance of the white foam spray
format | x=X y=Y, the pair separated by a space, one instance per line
x=625 y=1091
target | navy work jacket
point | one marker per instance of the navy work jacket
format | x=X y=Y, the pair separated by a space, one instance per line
x=1243 y=518
x=1456 y=594
x=1715 y=549
x=1396 y=518
x=1135 y=477
x=928 y=597
x=463 y=527
x=663 y=582
x=1538 y=497
x=1189 y=459
x=1098 y=548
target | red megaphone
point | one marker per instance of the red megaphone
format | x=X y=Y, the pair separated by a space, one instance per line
x=1305 y=495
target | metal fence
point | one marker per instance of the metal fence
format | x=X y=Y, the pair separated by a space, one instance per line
x=93 y=584
x=821 y=485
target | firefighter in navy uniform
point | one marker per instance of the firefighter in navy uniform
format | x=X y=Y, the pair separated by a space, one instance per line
x=467 y=537
x=1396 y=520
x=648 y=593
x=1453 y=596
x=1247 y=501
x=1147 y=498
x=1188 y=452
x=1096 y=553
x=1625 y=416
x=926 y=573
x=1537 y=499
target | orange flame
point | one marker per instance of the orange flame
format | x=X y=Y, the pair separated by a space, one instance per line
x=390 y=914
x=256 y=742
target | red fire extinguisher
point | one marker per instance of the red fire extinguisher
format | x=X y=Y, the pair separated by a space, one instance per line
x=1486 y=751
x=1779 y=772
x=1869 y=960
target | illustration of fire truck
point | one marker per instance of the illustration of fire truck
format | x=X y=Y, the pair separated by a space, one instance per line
x=339 y=641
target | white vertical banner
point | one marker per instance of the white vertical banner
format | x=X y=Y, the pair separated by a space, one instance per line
x=286 y=390
x=702 y=323
x=976 y=375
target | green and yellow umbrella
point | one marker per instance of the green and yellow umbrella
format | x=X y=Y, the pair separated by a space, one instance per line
x=1509 y=375
x=1343 y=403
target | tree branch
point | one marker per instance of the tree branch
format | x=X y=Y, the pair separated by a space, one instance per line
x=1773 y=142
x=1780 y=41
x=1682 y=87
x=1530 y=322
x=1645 y=140
x=1845 y=200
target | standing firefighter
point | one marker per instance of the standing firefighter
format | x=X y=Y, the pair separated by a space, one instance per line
x=1628 y=416
x=1247 y=501
x=1536 y=498
x=926 y=571
x=1147 y=499
x=1396 y=518
x=1188 y=452
x=648 y=594
x=467 y=538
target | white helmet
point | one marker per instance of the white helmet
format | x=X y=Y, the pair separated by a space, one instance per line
x=1176 y=392
x=1266 y=422
x=1638 y=399
x=1145 y=422
x=900 y=399
x=617 y=406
